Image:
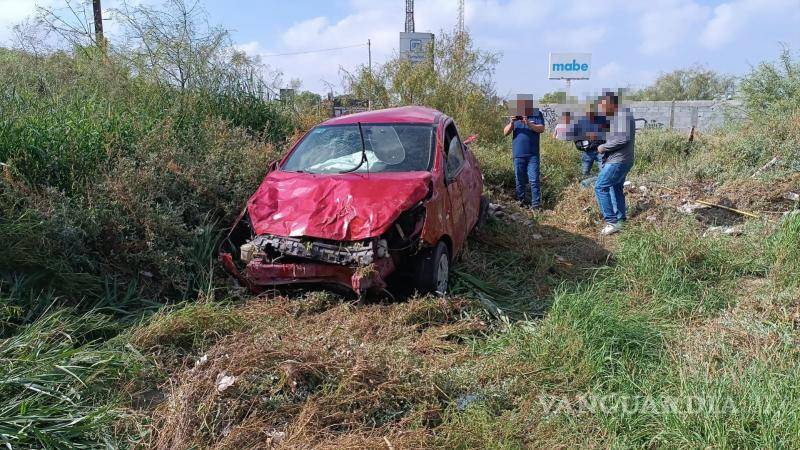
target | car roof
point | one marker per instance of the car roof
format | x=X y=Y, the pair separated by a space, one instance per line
x=405 y=114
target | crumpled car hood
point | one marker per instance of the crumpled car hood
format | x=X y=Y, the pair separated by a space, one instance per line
x=345 y=207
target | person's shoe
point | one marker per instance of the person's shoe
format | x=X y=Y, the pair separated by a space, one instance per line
x=536 y=209
x=611 y=228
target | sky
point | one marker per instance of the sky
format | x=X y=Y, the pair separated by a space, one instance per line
x=631 y=41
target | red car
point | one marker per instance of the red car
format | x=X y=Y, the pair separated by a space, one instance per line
x=359 y=198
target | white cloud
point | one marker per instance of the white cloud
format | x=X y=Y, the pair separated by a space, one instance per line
x=15 y=10
x=12 y=12
x=609 y=71
x=722 y=26
x=731 y=19
x=577 y=39
x=251 y=48
x=668 y=24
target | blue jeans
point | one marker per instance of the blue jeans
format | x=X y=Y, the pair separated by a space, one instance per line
x=609 y=191
x=588 y=159
x=526 y=170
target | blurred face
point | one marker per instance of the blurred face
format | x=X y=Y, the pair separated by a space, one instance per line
x=528 y=107
x=607 y=107
x=521 y=106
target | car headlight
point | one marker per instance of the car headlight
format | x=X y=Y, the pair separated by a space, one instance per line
x=247 y=251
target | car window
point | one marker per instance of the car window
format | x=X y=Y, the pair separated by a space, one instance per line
x=388 y=148
x=455 y=151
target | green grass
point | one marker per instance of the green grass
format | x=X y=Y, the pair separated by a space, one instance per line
x=663 y=324
x=784 y=251
x=59 y=382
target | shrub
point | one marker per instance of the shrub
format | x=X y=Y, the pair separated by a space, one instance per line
x=113 y=180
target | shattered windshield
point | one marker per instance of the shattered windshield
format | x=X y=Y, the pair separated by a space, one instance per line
x=337 y=148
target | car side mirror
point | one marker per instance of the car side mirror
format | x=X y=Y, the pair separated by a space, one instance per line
x=471 y=139
x=272 y=166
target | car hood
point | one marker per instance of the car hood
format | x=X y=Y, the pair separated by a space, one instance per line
x=344 y=207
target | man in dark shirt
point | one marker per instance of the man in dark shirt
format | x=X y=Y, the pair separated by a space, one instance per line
x=590 y=128
x=526 y=127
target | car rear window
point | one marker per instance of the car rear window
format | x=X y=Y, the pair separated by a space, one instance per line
x=337 y=149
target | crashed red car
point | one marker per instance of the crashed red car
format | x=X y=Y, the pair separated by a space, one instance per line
x=359 y=198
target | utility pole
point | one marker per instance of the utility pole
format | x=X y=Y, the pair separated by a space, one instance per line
x=460 y=37
x=409 y=16
x=369 y=94
x=98 y=26
x=460 y=25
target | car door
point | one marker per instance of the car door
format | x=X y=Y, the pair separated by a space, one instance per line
x=454 y=166
x=471 y=187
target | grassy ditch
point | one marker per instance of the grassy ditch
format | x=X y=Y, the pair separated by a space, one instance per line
x=675 y=321
x=685 y=340
x=114 y=191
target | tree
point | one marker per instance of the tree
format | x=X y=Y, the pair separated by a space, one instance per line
x=554 y=97
x=692 y=83
x=306 y=99
x=455 y=78
x=773 y=86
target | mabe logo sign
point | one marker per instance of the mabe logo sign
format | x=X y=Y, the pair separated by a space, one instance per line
x=569 y=66
x=574 y=65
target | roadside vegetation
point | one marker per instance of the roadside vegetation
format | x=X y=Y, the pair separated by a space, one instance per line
x=118 y=328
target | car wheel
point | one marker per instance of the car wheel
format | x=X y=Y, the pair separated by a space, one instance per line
x=433 y=272
x=483 y=213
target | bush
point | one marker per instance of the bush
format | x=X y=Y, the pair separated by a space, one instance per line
x=111 y=180
x=692 y=83
x=772 y=88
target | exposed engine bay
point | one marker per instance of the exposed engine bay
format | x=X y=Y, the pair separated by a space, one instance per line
x=401 y=238
x=277 y=248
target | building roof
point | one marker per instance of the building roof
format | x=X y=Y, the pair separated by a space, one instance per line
x=405 y=114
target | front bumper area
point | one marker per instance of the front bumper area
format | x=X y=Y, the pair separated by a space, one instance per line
x=260 y=274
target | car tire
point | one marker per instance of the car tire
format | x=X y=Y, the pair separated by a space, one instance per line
x=433 y=270
x=483 y=213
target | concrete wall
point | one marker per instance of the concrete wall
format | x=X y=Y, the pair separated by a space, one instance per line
x=704 y=115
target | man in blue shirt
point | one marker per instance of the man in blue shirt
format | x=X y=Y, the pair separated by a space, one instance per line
x=526 y=126
x=589 y=129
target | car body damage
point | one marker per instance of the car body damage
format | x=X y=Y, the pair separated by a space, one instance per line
x=358 y=199
x=342 y=207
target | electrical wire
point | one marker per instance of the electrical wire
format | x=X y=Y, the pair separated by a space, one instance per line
x=305 y=52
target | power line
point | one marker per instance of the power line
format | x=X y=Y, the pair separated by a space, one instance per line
x=314 y=51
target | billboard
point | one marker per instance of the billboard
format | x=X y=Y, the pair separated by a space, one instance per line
x=414 y=46
x=569 y=66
